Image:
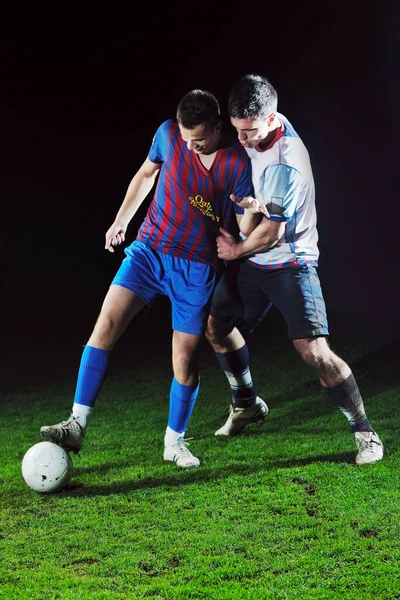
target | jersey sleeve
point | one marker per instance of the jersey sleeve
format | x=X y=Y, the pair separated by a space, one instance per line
x=243 y=185
x=281 y=191
x=160 y=144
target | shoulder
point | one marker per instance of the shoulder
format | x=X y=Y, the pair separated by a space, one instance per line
x=239 y=154
x=284 y=177
x=166 y=127
x=167 y=133
x=232 y=148
x=283 y=170
x=289 y=129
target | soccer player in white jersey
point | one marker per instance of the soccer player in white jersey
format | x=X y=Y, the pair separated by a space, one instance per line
x=277 y=264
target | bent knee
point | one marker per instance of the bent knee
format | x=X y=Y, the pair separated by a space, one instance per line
x=107 y=329
x=106 y=321
x=217 y=331
x=211 y=329
x=314 y=351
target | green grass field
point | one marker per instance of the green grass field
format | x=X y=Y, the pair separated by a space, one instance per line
x=279 y=512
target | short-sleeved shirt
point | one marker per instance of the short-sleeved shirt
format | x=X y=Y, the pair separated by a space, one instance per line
x=191 y=203
x=283 y=181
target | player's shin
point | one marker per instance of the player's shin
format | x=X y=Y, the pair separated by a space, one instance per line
x=181 y=404
x=91 y=375
x=347 y=397
x=236 y=367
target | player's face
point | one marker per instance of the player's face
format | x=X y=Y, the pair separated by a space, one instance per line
x=252 y=132
x=200 y=139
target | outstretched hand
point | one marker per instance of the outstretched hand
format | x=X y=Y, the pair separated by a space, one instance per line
x=114 y=237
x=250 y=204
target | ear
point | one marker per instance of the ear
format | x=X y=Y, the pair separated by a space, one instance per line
x=271 y=118
x=218 y=127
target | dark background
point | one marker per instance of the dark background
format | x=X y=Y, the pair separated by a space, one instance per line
x=82 y=96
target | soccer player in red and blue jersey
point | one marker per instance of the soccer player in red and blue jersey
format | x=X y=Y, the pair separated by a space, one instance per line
x=174 y=254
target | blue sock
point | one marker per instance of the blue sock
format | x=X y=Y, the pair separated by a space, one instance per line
x=91 y=375
x=182 y=399
x=236 y=367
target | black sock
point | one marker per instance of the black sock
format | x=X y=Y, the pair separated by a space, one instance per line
x=237 y=370
x=346 y=396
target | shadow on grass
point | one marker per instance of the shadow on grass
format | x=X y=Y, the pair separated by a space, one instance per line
x=379 y=368
x=193 y=476
x=296 y=411
x=284 y=413
x=375 y=372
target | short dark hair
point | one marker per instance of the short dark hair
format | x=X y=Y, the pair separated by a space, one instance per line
x=252 y=97
x=198 y=107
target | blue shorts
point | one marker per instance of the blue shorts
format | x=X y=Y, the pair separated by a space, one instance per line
x=245 y=294
x=188 y=284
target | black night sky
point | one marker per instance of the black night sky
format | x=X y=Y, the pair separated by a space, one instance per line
x=82 y=96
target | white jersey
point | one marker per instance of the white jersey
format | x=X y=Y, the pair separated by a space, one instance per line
x=283 y=181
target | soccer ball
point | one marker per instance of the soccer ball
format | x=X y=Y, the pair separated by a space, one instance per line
x=47 y=467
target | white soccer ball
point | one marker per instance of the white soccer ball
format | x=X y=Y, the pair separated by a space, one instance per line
x=47 y=467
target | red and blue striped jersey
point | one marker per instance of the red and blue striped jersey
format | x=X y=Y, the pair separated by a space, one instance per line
x=190 y=203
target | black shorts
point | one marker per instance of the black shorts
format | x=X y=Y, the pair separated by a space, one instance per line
x=245 y=294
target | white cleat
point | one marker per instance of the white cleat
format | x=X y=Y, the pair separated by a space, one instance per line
x=179 y=454
x=240 y=417
x=370 y=449
x=67 y=434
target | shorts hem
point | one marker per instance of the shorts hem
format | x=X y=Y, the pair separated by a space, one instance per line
x=127 y=287
x=201 y=333
x=300 y=335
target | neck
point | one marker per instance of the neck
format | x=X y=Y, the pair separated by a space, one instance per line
x=217 y=144
x=275 y=125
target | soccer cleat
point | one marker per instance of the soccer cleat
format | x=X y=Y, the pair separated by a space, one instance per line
x=240 y=417
x=370 y=449
x=67 y=434
x=179 y=454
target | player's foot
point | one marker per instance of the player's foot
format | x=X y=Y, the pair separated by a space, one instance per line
x=370 y=449
x=68 y=434
x=179 y=454
x=240 y=417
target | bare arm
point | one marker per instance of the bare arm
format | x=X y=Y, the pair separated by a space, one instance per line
x=262 y=238
x=253 y=211
x=138 y=189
